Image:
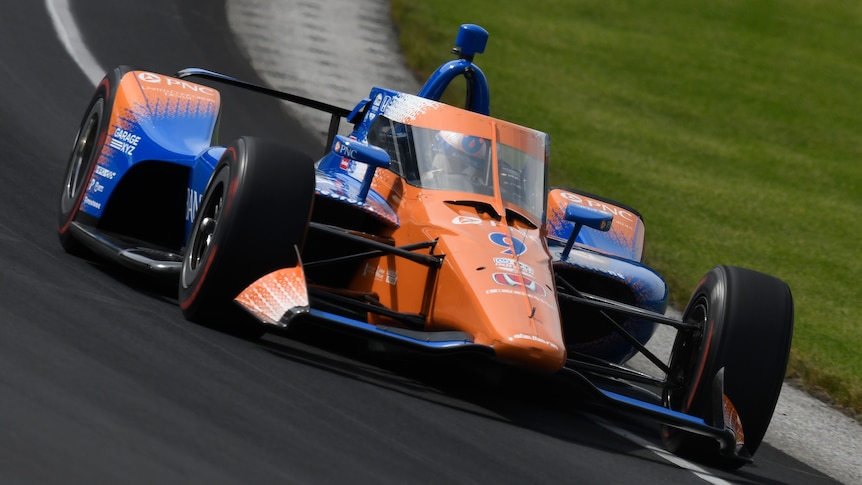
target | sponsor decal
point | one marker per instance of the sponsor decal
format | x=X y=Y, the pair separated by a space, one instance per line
x=150 y=78
x=197 y=88
x=124 y=141
x=532 y=297
x=509 y=264
x=95 y=187
x=513 y=247
x=390 y=277
x=344 y=150
x=384 y=104
x=381 y=103
x=595 y=204
x=345 y=164
x=505 y=291
x=387 y=276
x=193 y=203
x=104 y=172
x=92 y=203
x=357 y=170
x=509 y=279
x=535 y=338
x=466 y=220
x=368 y=269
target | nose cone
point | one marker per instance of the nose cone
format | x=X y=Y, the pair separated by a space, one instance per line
x=517 y=318
x=500 y=289
x=532 y=351
x=502 y=307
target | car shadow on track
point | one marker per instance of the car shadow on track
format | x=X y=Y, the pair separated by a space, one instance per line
x=467 y=384
x=470 y=385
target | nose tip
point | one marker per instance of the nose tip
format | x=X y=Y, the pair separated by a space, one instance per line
x=531 y=351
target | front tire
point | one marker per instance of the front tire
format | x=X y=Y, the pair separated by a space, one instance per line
x=85 y=153
x=253 y=214
x=745 y=325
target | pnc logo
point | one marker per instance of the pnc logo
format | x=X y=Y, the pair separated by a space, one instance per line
x=344 y=150
x=601 y=206
x=149 y=77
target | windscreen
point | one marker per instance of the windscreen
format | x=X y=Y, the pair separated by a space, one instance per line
x=450 y=160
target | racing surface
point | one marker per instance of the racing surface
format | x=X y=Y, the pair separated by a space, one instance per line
x=103 y=381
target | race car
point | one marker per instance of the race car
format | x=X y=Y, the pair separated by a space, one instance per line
x=426 y=227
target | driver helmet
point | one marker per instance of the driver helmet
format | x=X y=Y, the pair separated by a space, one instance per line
x=462 y=151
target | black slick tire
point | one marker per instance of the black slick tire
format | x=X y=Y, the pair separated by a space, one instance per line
x=745 y=325
x=85 y=153
x=253 y=214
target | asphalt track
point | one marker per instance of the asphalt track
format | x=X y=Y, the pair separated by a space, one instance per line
x=102 y=381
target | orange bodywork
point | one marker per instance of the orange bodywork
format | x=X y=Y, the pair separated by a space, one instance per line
x=495 y=283
x=146 y=97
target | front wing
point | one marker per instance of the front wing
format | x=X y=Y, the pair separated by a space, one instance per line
x=282 y=297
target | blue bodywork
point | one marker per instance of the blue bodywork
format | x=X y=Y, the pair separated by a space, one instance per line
x=171 y=129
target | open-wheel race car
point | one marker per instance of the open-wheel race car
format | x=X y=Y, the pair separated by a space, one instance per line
x=429 y=227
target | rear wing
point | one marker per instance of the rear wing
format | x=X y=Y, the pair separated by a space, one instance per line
x=625 y=237
x=337 y=113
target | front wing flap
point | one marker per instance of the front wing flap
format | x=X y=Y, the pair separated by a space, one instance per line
x=280 y=297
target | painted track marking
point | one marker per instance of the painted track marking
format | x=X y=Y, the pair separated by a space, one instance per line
x=695 y=470
x=71 y=38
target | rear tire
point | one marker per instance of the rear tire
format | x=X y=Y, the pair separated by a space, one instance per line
x=745 y=321
x=85 y=153
x=253 y=213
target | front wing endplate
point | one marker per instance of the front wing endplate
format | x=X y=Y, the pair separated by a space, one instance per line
x=278 y=297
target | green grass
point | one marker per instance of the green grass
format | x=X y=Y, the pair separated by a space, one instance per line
x=735 y=127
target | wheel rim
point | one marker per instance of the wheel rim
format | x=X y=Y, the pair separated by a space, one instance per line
x=203 y=232
x=82 y=157
x=684 y=361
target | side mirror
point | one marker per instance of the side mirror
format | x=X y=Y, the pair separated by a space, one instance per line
x=582 y=216
x=364 y=153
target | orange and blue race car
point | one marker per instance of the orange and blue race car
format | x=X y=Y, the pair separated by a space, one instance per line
x=428 y=227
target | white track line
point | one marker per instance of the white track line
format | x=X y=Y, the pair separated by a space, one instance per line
x=695 y=470
x=70 y=36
